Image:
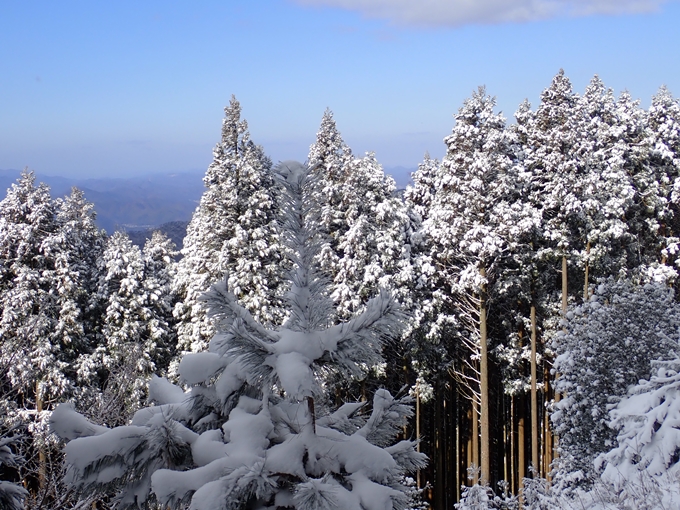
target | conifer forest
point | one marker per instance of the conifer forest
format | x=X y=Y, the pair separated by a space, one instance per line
x=502 y=334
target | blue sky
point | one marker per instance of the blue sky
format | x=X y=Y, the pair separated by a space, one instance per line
x=127 y=88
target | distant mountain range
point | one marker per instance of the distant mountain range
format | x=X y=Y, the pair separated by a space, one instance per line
x=142 y=204
x=129 y=204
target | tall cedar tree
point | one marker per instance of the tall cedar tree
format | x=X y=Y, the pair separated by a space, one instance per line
x=234 y=233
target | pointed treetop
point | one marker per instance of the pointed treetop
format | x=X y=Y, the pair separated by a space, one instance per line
x=329 y=146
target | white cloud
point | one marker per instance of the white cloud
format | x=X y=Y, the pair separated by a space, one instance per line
x=464 y=12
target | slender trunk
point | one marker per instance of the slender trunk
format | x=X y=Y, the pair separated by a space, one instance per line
x=585 y=284
x=484 y=386
x=312 y=414
x=548 y=432
x=521 y=443
x=564 y=284
x=475 y=435
x=469 y=457
x=417 y=433
x=521 y=413
x=42 y=457
x=439 y=477
x=506 y=476
x=458 y=446
x=534 y=396
x=513 y=473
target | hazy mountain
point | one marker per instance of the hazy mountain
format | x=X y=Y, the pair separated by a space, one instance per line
x=143 y=204
x=133 y=203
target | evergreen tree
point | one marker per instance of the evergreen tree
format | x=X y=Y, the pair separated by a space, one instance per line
x=47 y=249
x=234 y=233
x=126 y=352
x=256 y=429
x=472 y=224
x=159 y=273
x=664 y=158
x=370 y=241
x=609 y=344
x=607 y=190
x=75 y=248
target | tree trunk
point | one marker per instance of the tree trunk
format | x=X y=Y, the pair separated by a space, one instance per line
x=484 y=386
x=534 y=396
x=312 y=414
x=475 y=435
x=458 y=447
x=42 y=457
x=564 y=285
x=585 y=284
x=417 y=433
x=548 y=432
x=513 y=474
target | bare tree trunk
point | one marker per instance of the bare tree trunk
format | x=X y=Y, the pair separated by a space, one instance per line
x=513 y=473
x=484 y=386
x=534 y=396
x=458 y=446
x=42 y=457
x=475 y=434
x=312 y=414
x=417 y=433
x=564 y=285
x=585 y=284
x=548 y=431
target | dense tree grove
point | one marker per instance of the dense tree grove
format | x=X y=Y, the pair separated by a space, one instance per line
x=511 y=316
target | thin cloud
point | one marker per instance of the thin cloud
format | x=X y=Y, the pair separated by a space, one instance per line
x=465 y=12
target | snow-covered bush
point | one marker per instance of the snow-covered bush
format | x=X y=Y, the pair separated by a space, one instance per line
x=608 y=345
x=479 y=496
x=256 y=429
x=648 y=425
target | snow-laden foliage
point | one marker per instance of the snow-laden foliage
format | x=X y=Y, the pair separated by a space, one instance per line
x=648 y=426
x=369 y=230
x=605 y=190
x=255 y=429
x=134 y=297
x=609 y=343
x=47 y=327
x=476 y=222
x=479 y=496
x=159 y=273
x=12 y=495
x=233 y=233
x=536 y=493
x=549 y=156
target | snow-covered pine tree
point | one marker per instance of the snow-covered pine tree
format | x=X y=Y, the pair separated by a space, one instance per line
x=663 y=129
x=473 y=223
x=369 y=228
x=607 y=190
x=256 y=430
x=75 y=248
x=234 y=233
x=371 y=240
x=609 y=344
x=159 y=273
x=648 y=249
x=551 y=137
x=420 y=195
x=126 y=351
x=33 y=377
